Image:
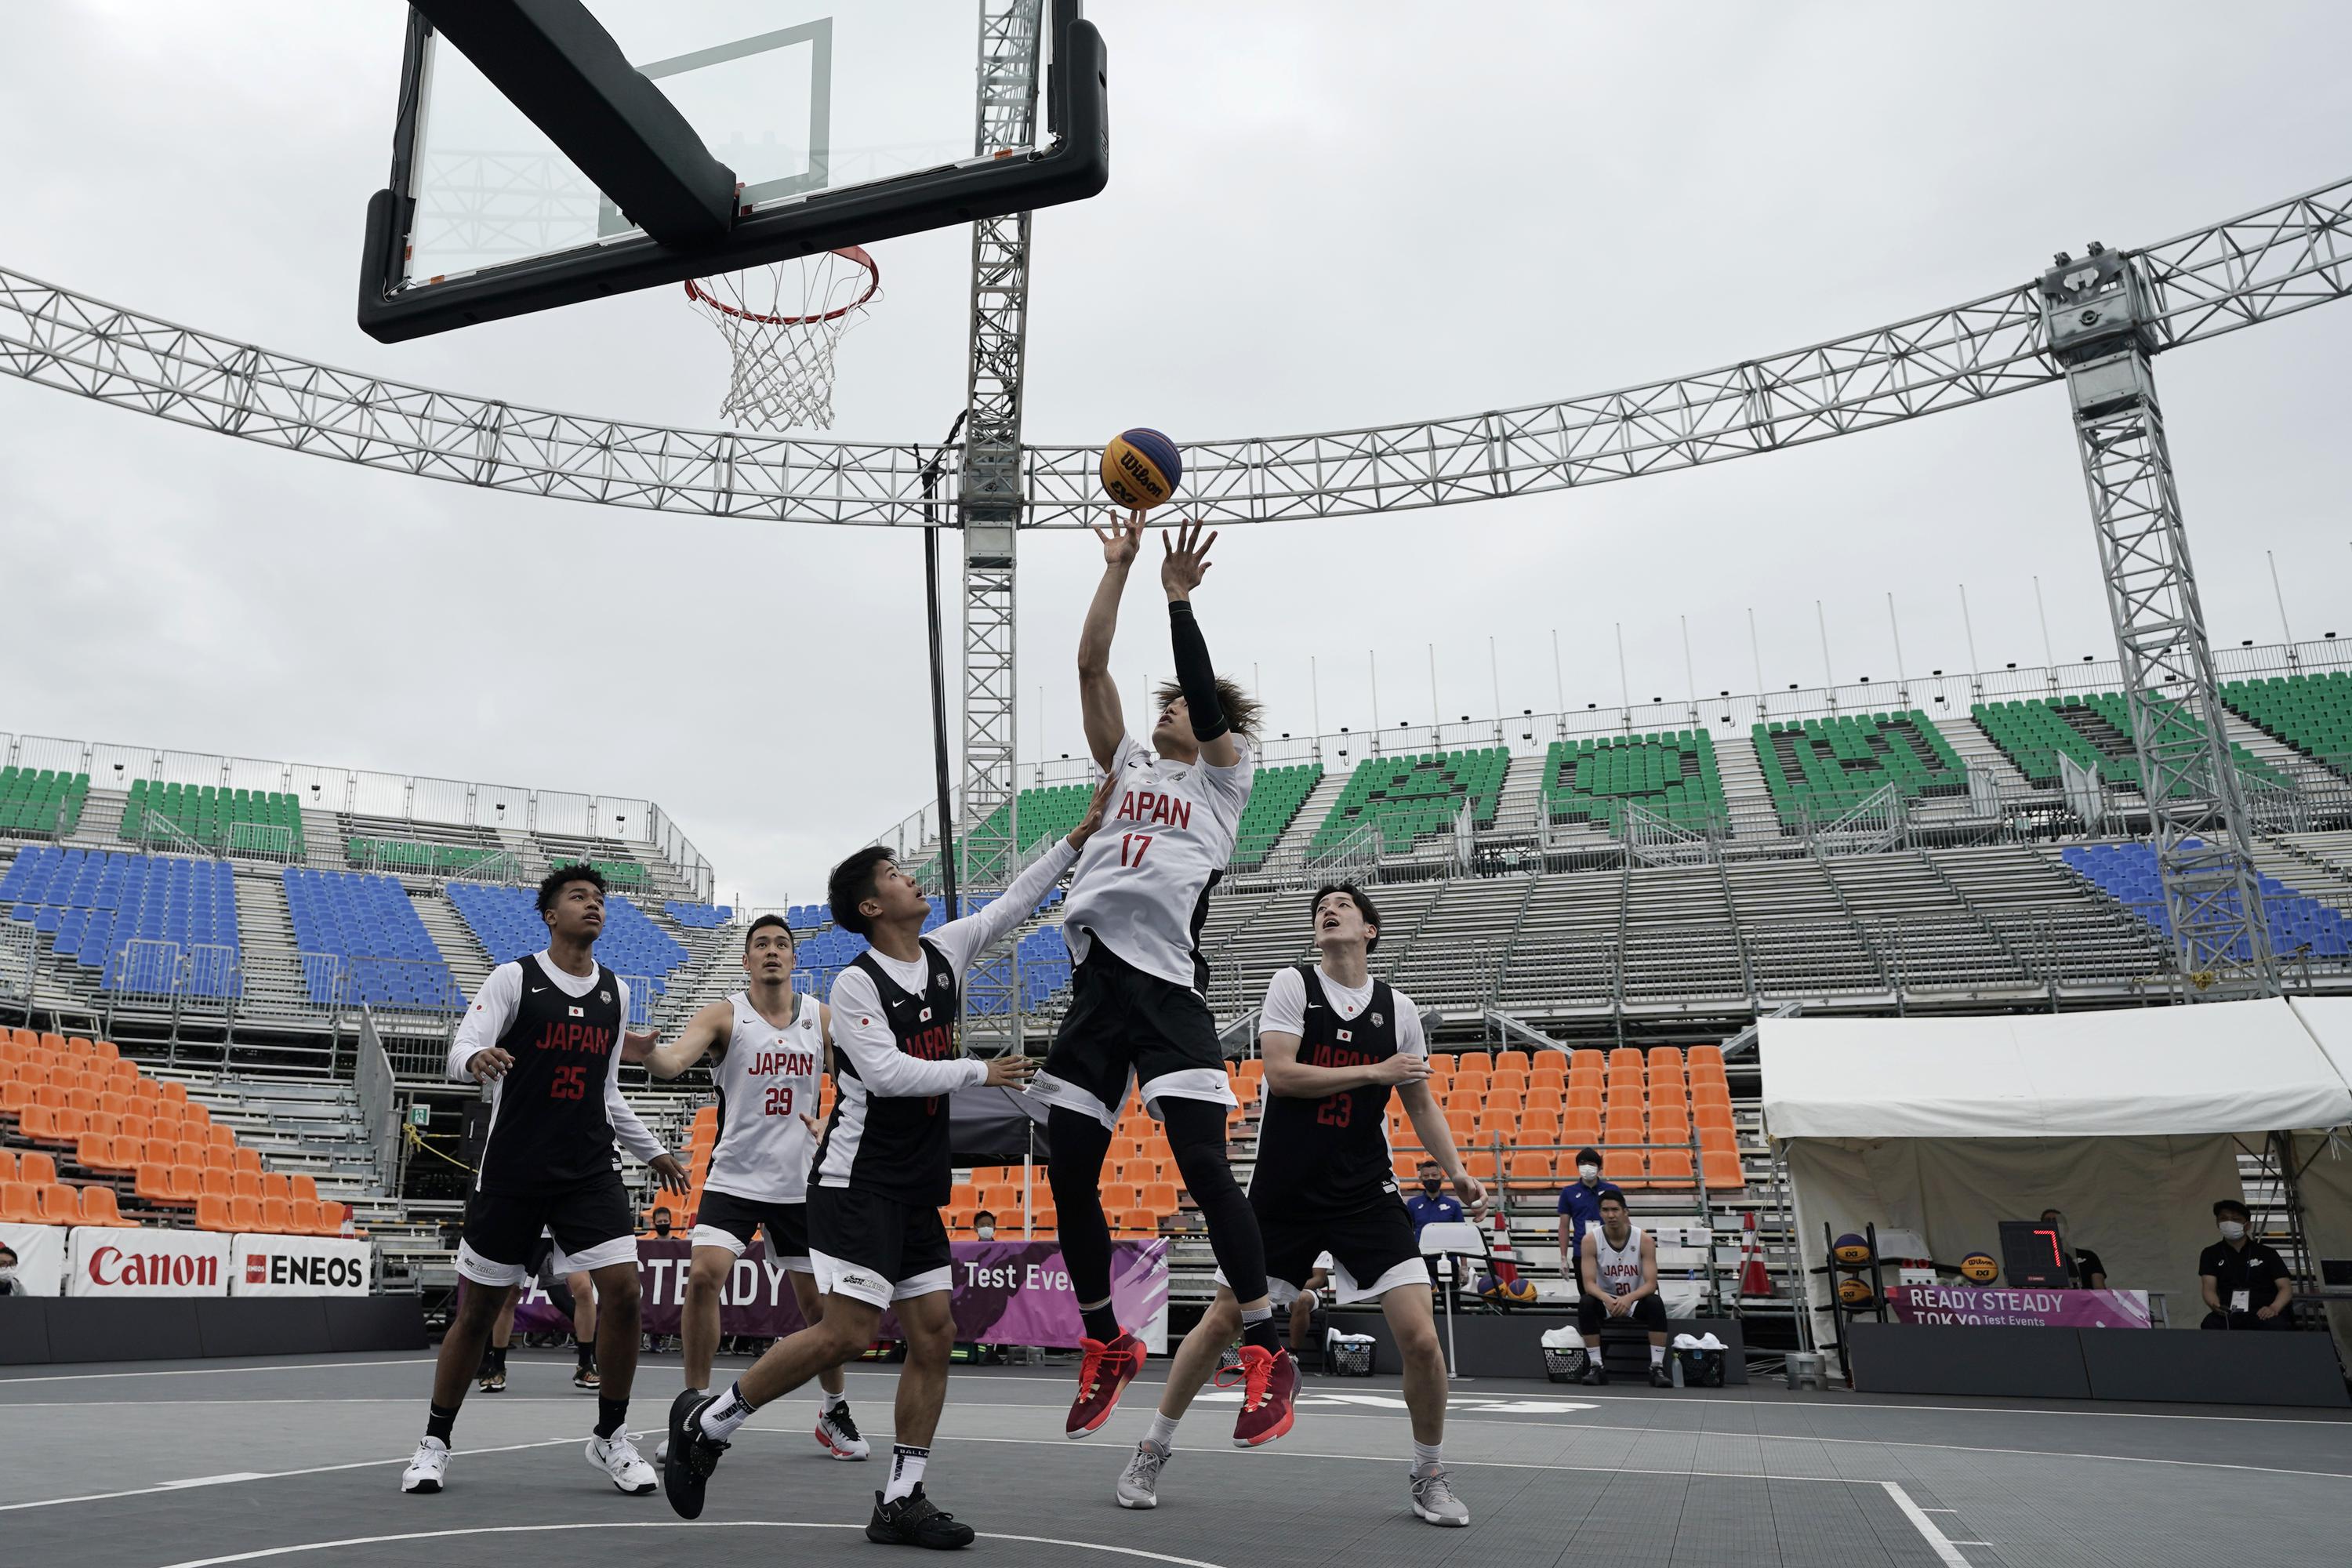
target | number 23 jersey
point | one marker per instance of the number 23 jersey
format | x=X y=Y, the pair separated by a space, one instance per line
x=1330 y=1154
x=767 y=1079
x=1142 y=883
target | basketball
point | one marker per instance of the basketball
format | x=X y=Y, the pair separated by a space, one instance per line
x=1850 y=1248
x=1979 y=1268
x=1855 y=1291
x=1519 y=1292
x=1140 y=469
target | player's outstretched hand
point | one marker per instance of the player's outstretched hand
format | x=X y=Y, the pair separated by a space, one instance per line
x=817 y=1128
x=489 y=1065
x=1472 y=1192
x=668 y=1172
x=1093 y=819
x=1121 y=542
x=1185 y=557
x=1008 y=1071
x=636 y=1045
x=1405 y=1066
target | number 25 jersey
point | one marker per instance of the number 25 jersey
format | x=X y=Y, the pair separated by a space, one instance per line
x=767 y=1079
x=1330 y=1154
x=1142 y=883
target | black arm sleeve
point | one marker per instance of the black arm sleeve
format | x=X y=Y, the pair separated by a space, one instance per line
x=1194 y=673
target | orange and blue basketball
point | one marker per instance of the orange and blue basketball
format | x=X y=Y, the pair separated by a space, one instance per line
x=1855 y=1291
x=1140 y=469
x=1851 y=1249
x=1519 y=1292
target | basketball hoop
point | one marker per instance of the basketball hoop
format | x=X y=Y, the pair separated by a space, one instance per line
x=780 y=323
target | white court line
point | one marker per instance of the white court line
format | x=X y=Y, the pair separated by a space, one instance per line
x=1946 y=1550
x=661 y=1524
x=273 y=1475
x=216 y=1371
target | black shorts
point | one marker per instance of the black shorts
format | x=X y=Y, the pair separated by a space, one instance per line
x=727 y=1221
x=591 y=1224
x=876 y=1250
x=1649 y=1311
x=1372 y=1250
x=1125 y=1027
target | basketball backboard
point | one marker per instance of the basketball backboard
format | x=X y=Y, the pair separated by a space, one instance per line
x=839 y=121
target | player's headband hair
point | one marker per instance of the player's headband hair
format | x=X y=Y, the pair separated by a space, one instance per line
x=552 y=885
x=762 y=923
x=1241 y=709
x=1363 y=907
x=851 y=884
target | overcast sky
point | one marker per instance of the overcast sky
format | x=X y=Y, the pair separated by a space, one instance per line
x=1318 y=216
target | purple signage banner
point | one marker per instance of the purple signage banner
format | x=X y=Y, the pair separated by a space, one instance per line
x=1006 y=1293
x=1980 y=1305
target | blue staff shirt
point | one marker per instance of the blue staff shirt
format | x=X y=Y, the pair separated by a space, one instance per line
x=1425 y=1210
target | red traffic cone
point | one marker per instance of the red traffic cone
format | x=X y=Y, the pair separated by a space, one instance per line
x=1755 y=1280
x=1505 y=1262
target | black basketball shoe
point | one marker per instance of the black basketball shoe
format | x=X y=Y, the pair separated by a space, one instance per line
x=915 y=1521
x=693 y=1454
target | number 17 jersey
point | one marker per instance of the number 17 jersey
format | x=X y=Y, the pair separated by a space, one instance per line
x=768 y=1079
x=1141 y=886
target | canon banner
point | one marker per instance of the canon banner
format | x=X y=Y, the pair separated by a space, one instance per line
x=1978 y=1305
x=299 y=1266
x=1006 y=1293
x=140 y=1262
x=38 y=1268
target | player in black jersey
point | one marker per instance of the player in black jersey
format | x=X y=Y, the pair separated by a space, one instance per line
x=883 y=1169
x=544 y=1033
x=1336 y=1042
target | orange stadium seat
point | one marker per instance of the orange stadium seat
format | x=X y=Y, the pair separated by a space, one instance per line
x=1669 y=1168
x=1158 y=1197
x=1545 y=1097
x=1473 y=1061
x=1460 y=1121
x=302 y=1217
x=114 y=1102
x=1517 y=1059
x=34 y=1166
x=1626 y=1167
x=1506 y=1080
x=154 y=1184
x=246 y=1159
x=213 y=1214
x=215 y=1157
x=1539 y=1127
x=1482 y=1164
x=1586 y=1096
x=214 y=1182
x=277 y=1216
x=1718 y=1140
x=57 y=1205
x=18 y=1204
x=7 y=1164
x=98 y=1208
x=221 y=1136
x=1710 y=1094
x=1531 y=1170
x=306 y=1186
x=1703 y=1056
x=1579 y=1127
x=15 y=1096
x=174 y=1090
x=105 y=1124
x=1548 y=1074
x=1722 y=1170
x=1117 y=1198
x=244 y=1213
x=81 y=1097
x=1669 y=1121
x=1668 y=1056
x=274 y=1185
x=137 y=1126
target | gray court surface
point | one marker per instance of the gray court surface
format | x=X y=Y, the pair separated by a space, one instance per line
x=300 y=1460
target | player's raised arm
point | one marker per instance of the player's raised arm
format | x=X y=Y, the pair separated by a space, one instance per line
x=709 y=1026
x=1184 y=561
x=1098 y=693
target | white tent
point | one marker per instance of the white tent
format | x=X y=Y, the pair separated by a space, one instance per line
x=2128 y=1121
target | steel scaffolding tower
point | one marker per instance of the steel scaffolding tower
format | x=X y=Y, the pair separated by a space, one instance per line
x=989 y=507
x=2098 y=321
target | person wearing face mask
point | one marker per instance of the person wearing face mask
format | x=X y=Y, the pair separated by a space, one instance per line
x=983 y=1226
x=1580 y=1209
x=662 y=1220
x=2245 y=1283
x=7 y=1269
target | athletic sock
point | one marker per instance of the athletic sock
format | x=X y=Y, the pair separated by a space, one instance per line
x=1257 y=1327
x=439 y=1421
x=499 y=1358
x=1162 y=1434
x=729 y=1412
x=905 y=1471
x=612 y=1414
x=1657 y=1355
x=829 y=1403
x=1426 y=1459
x=584 y=1351
x=1101 y=1321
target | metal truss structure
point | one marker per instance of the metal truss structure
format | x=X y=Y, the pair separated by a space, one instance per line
x=2266 y=264
x=989 y=504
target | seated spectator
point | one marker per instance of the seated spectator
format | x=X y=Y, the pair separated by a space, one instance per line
x=983 y=1226
x=1620 y=1270
x=8 y=1286
x=1433 y=1204
x=2084 y=1269
x=2245 y=1283
x=1580 y=1209
x=663 y=1221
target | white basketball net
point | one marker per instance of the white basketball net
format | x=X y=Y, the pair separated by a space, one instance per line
x=781 y=324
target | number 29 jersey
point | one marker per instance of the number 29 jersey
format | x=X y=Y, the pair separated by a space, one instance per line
x=767 y=1078
x=1143 y=883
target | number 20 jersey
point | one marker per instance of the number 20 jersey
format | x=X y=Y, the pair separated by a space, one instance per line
x=767 y=1080
x=1331 y=1155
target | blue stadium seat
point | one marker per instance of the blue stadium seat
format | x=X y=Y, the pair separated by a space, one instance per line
x=95 y=905
x=698 y=917
x=366 y=921
x=506 y=922
x=2127 y=873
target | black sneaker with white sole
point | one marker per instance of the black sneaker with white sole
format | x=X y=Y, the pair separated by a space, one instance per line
x=915 y=1521
x=692 y=1453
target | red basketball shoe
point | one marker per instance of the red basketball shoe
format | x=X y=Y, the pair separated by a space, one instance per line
x=1269 y=1385
x=1104 y=1373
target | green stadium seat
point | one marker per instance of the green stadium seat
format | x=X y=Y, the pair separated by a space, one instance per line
x=1822 y=768
x=1414 y=797
x=1671 y=773
x=41 y=800
x=2312 y=713
x=240 y=821
x=2093 y=728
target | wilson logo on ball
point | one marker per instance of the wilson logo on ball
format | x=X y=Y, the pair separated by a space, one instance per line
x=1140 y=469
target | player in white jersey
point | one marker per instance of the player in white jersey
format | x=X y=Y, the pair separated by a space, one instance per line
x=1620 y=1270
x=1132 y=917
x=772 y=1050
